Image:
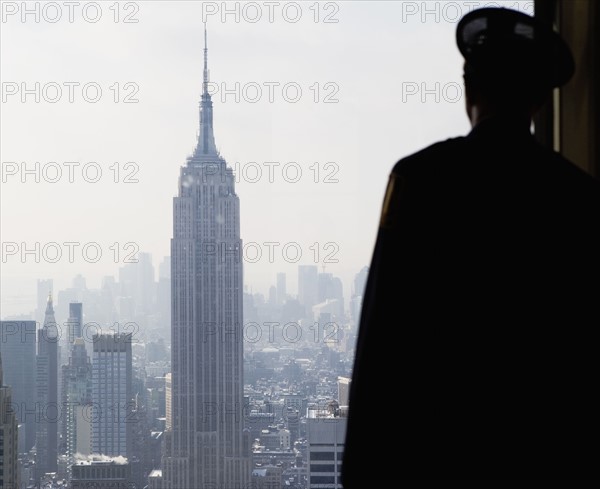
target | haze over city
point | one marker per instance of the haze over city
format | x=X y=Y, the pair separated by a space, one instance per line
x=190 y=196
x=367 y=57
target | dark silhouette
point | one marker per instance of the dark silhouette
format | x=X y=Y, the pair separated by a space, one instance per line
x=482 y=301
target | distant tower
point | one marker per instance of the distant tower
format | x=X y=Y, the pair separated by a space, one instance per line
x=79 y=283
x=308 y=289
x=273 y=295
x=9 y=439
x=112 y=395
x=48 y=410
x=43 y=286
x=281 y=290
x=207 y=446
x=360 y=281
x=137 y=284
x=75 y=322
x=163 y=294
x=330 y=287
x=145 y=286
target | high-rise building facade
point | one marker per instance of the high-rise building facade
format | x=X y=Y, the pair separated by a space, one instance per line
x=48 y=409
x=101 y=474
x=77 y=401
x=206 y=446
x=9 y=450
x=71 y=329
x=70 y=370
x=168 y=403
x=75 y=321
x=326 y=435
x=112 y=394
x=344 y=390
x=18 y=349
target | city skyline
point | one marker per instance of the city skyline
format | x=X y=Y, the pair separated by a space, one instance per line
x=201 y=334
x=360 y=137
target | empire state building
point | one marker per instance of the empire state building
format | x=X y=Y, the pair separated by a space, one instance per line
x=206 y=447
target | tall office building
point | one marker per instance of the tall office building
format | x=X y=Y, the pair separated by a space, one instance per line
x=61 y=309
x=18 y=349
x=326 y=435
x=145 y=290
x=75 y=321
x=79 y=283
x=360 y=281
x=112 y=395
x=137 y=281
x=9 y=450
x=206 y=446
x=71 y=329
x=344 y=390
x=74 y=328
x=330 y=288
x=48 y=409
x=77 y=400
x=43 y=286
x=110 y=292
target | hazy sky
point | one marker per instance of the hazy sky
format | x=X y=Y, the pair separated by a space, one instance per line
x=371 y=66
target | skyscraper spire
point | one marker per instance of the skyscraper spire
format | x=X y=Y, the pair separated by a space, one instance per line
x=205 y=78
x=49 y=306
x=51 y=329
x=206 y=150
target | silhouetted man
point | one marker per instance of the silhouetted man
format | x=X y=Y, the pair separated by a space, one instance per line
x=482 y=302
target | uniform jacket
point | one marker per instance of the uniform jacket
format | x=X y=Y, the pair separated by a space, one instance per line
x=480 y=315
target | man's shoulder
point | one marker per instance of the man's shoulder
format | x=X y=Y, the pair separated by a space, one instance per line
x=464 y=156
x=432 y=158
